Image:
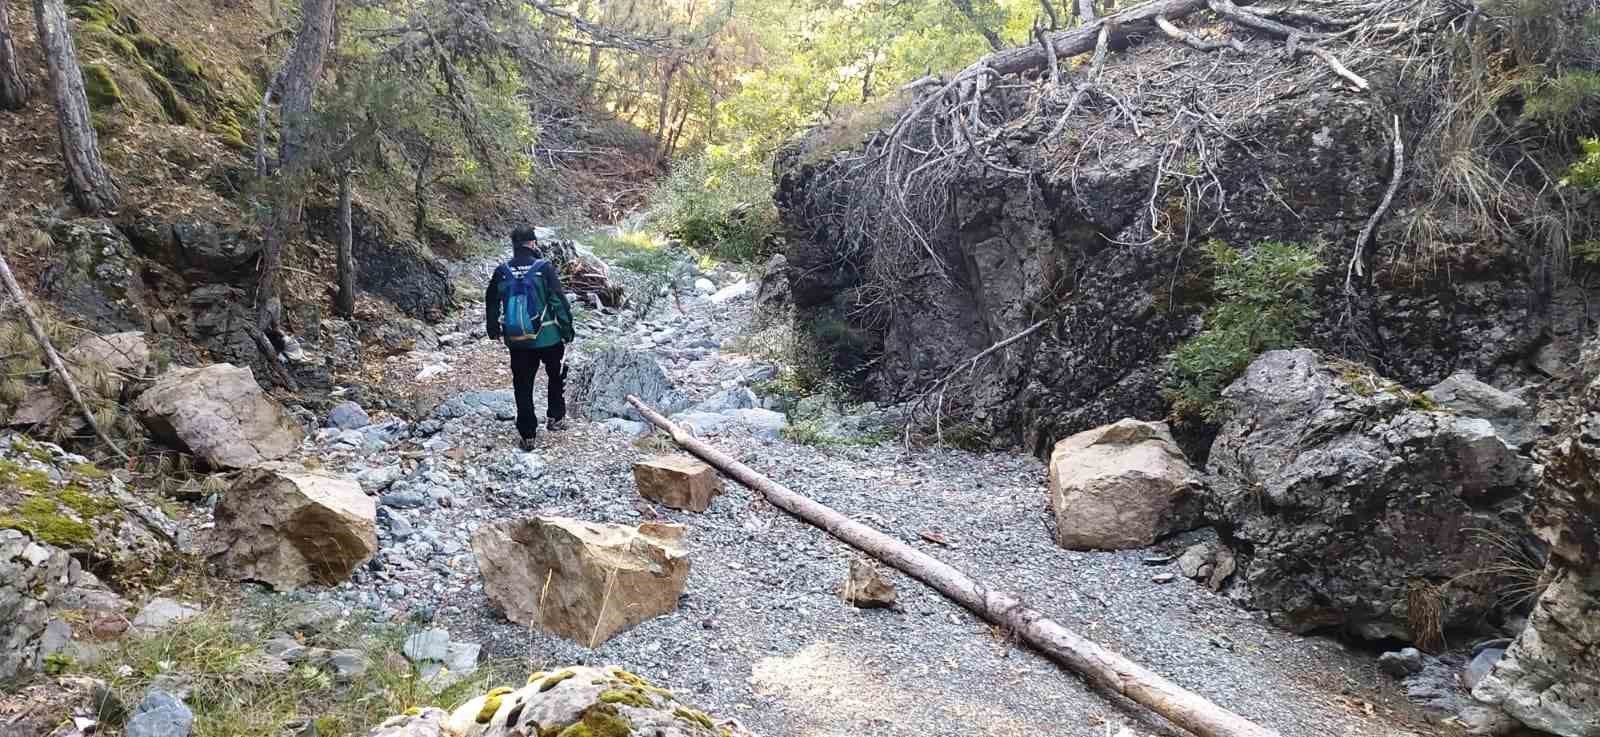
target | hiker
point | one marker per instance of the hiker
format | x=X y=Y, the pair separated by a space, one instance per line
x=525 y=306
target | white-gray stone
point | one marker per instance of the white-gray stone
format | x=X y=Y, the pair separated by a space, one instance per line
x=162 y=612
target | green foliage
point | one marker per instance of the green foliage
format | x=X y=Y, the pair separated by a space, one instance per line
x=1585 y=172
x=1264 y=297
x=723 y=211
x=1556 y=99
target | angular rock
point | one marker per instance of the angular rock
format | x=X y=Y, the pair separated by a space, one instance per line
x=678 y=482
x=1480 y=666
x=101 y=366
x=1512 y=418
x=1401 y=663
x=162 y=613
x=729 y=399
x=160 y=714
x=866 y=588
x=1310 y=453
x=433 y=644
x=219 y=414
x=348 y=416
x=288 y=527
x=774 y=299
x=580 y=580
x=601 y=387
x=1121 y=486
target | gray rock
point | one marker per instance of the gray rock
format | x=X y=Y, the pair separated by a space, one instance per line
x=1513 y=420
x=162 y=612
x=602 y=386
x=1401 y=663
x=1305 y=456
x=432 y=644
x=729 y=399
x=1436 y=689
x=347 y=665
x=408 y=499
x=374 y=480
x=626 y=427
x=399 y=527
x=1480 y=666
x=462 y=657
x=501 y=404
x=160 y=714
x=766 y=421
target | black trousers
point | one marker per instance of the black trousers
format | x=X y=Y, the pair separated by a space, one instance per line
x=525 y=364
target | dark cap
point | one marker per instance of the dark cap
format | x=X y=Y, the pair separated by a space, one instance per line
x=524 y=237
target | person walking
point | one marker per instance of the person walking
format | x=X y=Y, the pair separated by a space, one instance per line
x=525 y=306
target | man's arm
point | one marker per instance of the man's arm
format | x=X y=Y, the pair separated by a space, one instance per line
x=491 y=306
x=552 y=284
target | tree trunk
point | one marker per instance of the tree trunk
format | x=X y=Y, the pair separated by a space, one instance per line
x=297 y=84
x=965 y=6
x=345 y=302
x=87 y=179
x=52 y=358
x=661 y=115
x=13 y=88
x=1100 y=666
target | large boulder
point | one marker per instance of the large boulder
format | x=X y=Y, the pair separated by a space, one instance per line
x=219 y=414
x=580 y=580
x=1549 y=679
x=1121 y=486
x=101 y=365
x=578 y=701
x=1359 y=509
x=601 y=387
x=288 y=527
x=774 y=299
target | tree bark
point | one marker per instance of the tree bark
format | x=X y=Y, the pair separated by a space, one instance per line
x=87 y=179
x=52 y=358
x=1099 y=665
x=965 y=6
x=13 y=88
x=344 y=302
x=662 y=114
x=297 y=85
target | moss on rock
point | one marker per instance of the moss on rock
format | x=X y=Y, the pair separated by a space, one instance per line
x=555 y=680
x=101 y=86
x=601 y=720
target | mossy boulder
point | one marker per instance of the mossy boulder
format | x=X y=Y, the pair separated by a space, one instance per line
x=96 y=277
x=101 y=87
x=571 y=702
x=67 y=503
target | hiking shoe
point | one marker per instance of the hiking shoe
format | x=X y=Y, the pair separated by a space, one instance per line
x=529 y=444
x=554 y=424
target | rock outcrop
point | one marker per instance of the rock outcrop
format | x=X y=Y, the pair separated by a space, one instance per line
x=96 y=276
x=1121 y=486
x=1549 y=679
x=219 y=414
x=1094 y=236
x=287 y=527
x=394 y=267
x=580 y=580
x=570 y=702
x=1512 y=418
x=678 y=482
x=38 y=584
x=1360 y=510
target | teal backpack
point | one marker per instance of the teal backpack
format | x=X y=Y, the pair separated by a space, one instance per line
x=526 y=320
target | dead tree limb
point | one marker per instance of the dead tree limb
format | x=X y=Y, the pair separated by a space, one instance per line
x=1354 y=269
x=53 y=359
x=1097 y=664
x=1340 y=69
x=1195 y=42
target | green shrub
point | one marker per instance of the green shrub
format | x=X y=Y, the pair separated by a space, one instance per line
x=727 y=213
x=1264 y=296
x=1585 y=172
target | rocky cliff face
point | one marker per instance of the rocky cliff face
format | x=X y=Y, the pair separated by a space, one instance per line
x=1060 y=230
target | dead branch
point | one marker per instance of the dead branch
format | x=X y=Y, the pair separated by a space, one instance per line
x=1354 y=269
x=1340 y=69
x=1227 y=9
x=1100 y=666
x=1195 y=42
x=53 y=358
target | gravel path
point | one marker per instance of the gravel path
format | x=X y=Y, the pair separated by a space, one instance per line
x=762 y=636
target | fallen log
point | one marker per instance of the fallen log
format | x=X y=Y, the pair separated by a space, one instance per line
x=52 y=358
x=1100 y=666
